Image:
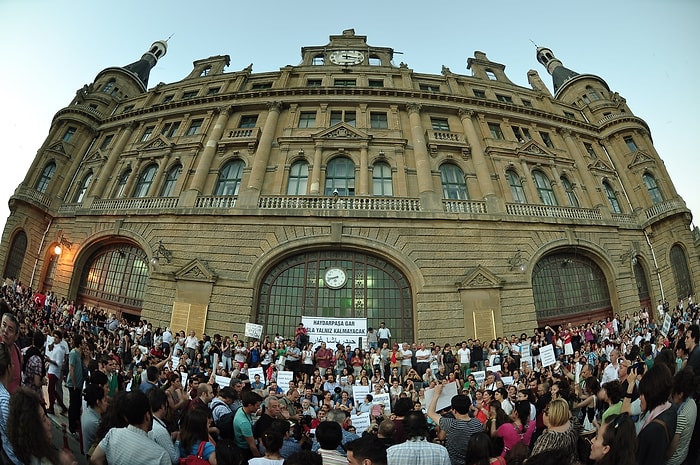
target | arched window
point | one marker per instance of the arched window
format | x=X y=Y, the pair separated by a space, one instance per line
x=298 y=178
x=170 y=180
x=454 y=185
x=115 y=274
x=569 y=189
x=681 y=273
x=121 y=184
x=15 y=257
x=381 y=180
x=43 y=183
x=107 y=89
x=340 y=176
x=80 y=193
x=375 y=289
x=516 y=187
x=145 y=180
x=568 y=286
x=592 y=94
x=544 y=188
x=641 y=279
x=229 y=178
x=612 y=198
x=653 y=188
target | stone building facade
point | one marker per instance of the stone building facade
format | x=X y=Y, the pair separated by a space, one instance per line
x=447 y=205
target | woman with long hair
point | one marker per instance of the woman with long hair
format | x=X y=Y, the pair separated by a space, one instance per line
x=29 y=431
x=616 y=442
x=272 y=440
x=177 y=398
x=194 y=435
x=520 y=428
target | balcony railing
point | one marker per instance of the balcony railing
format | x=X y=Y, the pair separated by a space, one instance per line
x=663 y=207
x=142 y=203
x=35 y=196
x=226 y=201
x=464 y=206
x=341 y=203
x=550 y=211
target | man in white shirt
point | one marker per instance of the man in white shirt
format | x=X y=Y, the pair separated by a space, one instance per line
x=406 y=355
x=422 y=359
x=56 y=353
x=159 y=432
x=610 y=372
x=383 y=335
x=464 y=356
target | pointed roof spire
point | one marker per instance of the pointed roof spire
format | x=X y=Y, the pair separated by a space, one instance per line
x=142 y=68
x=560 y=74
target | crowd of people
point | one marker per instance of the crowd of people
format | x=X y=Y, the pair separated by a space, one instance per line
x=619 y=391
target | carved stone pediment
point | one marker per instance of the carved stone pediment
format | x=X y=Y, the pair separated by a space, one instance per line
x=157 y=143
x=342 y=131
x=196 y=270
x=96 y=157
x=640 y=159
x=480 y=278
x=533 y=148
x=601 y=167
x=58 y=147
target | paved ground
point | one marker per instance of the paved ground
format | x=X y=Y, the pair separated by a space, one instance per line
x=60 y=439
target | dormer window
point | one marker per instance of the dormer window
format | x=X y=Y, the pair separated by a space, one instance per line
x=318 y=60
x=205 y=71
x=491 y=75
x=375 y=60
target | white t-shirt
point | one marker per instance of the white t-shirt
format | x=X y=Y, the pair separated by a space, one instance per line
x=464 y=355
x=58 y=355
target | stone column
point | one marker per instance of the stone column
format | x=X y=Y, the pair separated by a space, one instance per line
x=107 y=170
x=205 y=160
x=315 y=184
x=261 y=157
x=529 y=184
x=483 y=174
x=77 y=159
x=562 y=197
x=426 y=188
x=364 y=171
x=135 y=173
x=590 y=186
x=162 y=166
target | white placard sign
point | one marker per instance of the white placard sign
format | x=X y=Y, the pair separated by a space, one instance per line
x=256 y=371
x=223 y=381
x=283 y=379
x=253 y=330
x=547 y=355
x=667 y=324
x=361 y=422
x=176 y=362
x=494 y=368
x=479 y=377
x=445 y=399
x=183 y=377
x=332 y=331
x=507 y=380
x=383 y=399
x=525 y=351
x=359 y=393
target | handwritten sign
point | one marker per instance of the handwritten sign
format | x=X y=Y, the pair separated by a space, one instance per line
x=494 y=368
x=667 y=325
x=283 y=379
x=253 y=330
x=507 y=380
x=223 y=381
x=359 y=393
x=445 y=399
x=332 y=331
x=384 y=400
x=256 y=371
x=361 y=422
x=479 y=377
x=547 y=355
x=525 y=350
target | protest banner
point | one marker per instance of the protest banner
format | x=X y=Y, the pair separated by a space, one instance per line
x=346 y=331
x=283 y=379
x=359 y=393
x=256 y=371
x=253 y=330
x=361 y=422
x=384 y=400
x=547 y=355
x=667 y=325
x=445 y=399
x=223 y=381
x=479 y=377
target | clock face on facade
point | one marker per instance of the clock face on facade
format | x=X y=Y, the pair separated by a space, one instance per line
x=335 y=278
x=346 y=57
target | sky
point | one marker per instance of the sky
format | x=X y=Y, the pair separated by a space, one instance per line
x=646 y=50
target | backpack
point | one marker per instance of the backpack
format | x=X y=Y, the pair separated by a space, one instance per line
x=225 y=425
x=196 y=459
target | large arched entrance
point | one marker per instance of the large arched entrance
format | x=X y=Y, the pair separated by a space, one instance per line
x=114 y=278
x=373 y=289
x=569 y=287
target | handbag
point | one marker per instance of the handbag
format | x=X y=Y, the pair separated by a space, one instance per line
x=196 y=459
